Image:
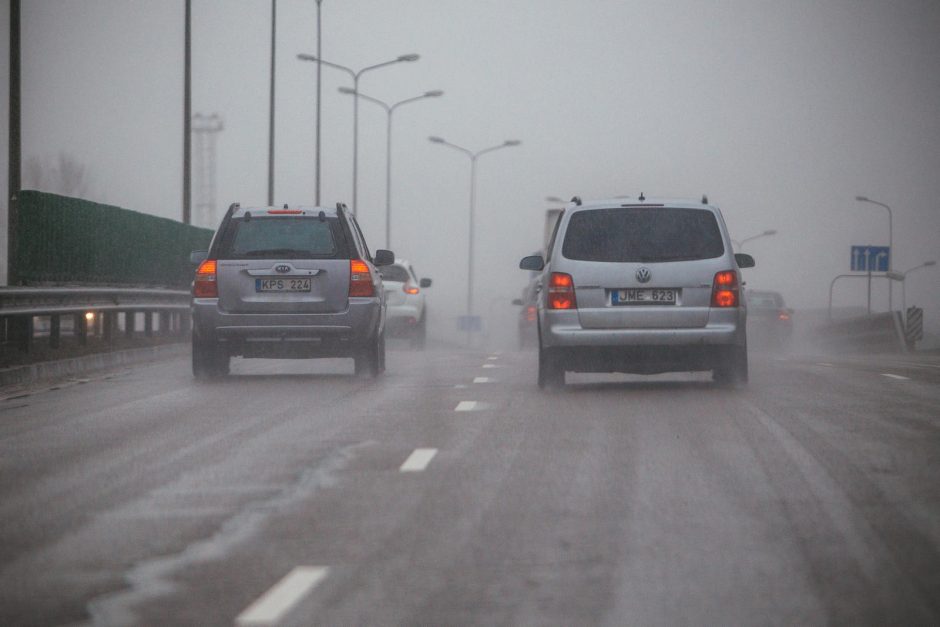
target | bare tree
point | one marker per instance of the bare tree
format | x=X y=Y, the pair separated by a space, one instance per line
x=65 y=175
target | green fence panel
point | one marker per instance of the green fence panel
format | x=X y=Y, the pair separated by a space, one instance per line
x=62 y=240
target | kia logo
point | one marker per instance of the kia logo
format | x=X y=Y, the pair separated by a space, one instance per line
x=643 y=275
x=286 y=268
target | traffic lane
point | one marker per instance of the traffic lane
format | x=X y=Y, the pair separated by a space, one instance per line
x=143 y=462
x=646 y=500
x=917 y=367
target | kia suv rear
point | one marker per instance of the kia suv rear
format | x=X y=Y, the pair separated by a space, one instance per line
x=288 y=283
x=645 y=287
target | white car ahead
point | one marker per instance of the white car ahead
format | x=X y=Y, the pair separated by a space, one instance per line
x=406 y=314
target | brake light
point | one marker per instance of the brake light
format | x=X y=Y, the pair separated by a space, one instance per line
x=410 y=289
x=561 y=292
x=205 y=284
x=360 y=279
x=784 y=316
x=725 y=289
x=530 y=312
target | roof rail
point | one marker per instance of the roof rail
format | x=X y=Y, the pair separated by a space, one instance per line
x=340 y=206
x=576 y=200
x=704 y=199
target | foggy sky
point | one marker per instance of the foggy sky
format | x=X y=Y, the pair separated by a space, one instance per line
x=782 y=112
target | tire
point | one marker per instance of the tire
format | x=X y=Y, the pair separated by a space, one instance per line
x=420 y=334
x=209 y=361
x=370 y=360
x=734 y=371
x=551 y=373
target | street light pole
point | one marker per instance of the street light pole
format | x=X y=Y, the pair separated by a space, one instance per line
x=355 y=76
x=473 y=173
x=890 y=243
x=389 y=110
x=740 y=244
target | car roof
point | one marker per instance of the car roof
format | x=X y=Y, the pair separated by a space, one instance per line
x=308 y=210
x=612 y=203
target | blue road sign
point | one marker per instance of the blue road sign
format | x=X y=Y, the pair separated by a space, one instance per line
x=871 y=258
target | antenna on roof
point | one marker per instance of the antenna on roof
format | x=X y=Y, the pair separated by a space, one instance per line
x=704 y=199
x=642 y=197
x=576 y=200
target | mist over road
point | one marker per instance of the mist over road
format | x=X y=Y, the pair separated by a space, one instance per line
x=452 y=491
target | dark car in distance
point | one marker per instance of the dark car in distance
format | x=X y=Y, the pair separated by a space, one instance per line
x=770 y=321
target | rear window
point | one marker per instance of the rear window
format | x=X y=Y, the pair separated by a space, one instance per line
x=643 y=235
x=762 y=300
x=282 y=237
x=395 y=273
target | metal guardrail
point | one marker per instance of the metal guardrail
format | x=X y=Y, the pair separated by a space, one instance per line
x=95 y=310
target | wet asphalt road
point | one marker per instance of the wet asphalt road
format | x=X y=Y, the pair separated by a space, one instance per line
x=452 y=491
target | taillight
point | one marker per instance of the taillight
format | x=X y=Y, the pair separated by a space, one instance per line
x=561 y=292
x=530 y=312
x=725 y=289
x=205 y=284
x=784 y=316
x=360 y=279
x=410 y=289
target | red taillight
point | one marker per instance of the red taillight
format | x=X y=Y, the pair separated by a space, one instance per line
x=410 y=289
x=530 y=312
x=561 y=292
x=725 y=289
x=360 y=279
x=205 y=284
x=784 y=316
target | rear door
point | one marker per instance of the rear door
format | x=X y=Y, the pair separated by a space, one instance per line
x=296 y=263
x=643 y=267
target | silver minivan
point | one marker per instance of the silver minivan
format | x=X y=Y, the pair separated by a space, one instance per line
x=641 y=286
x=291 y=282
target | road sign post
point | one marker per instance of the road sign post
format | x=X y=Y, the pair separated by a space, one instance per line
x=870 y=259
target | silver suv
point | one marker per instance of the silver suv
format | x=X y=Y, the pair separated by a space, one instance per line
x=288 y=283
x=644 y=286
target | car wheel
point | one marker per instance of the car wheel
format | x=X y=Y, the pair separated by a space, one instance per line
x=420 y=333
x=370 y=360
x=551 y=373
x=733 y=372
x=209 y=361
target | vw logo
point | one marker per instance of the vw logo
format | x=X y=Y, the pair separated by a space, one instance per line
x=282 y=267
x=643 y=275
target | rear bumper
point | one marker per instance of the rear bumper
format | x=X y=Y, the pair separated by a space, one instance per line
x=401 y=319
x=288 y=335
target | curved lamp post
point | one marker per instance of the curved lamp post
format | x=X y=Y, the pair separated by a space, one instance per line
x=890 y=242
x=740 y=244
x=355 y=76
x=473 y=170
x=389 y=110
x=904 y=283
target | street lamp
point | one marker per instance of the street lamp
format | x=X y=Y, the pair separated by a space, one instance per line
x=473 y=172
x=740 y=244
x=556 y=199
x=890 y=243
x=405 y=58
x=389 y=110
x=904 y=282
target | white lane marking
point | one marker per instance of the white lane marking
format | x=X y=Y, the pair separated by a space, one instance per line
x=466 y=406
x=492 y=357
x=822 y=363
x=483 y=380
x=418 y=460
x=895 y=376
x=273 y=605
x=461 y=386
x=493 y=366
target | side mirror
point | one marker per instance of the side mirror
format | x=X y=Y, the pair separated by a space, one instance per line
x=532 y=262
x=198 y=256
x=424 y=283
x=744 y=260
x=517 y=301
x=383 y=257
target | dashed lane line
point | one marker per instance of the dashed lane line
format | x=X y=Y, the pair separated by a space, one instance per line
x=418 y=460
x=466 y=406
x=895 y=376
x=483 y=380
x=272 y=606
